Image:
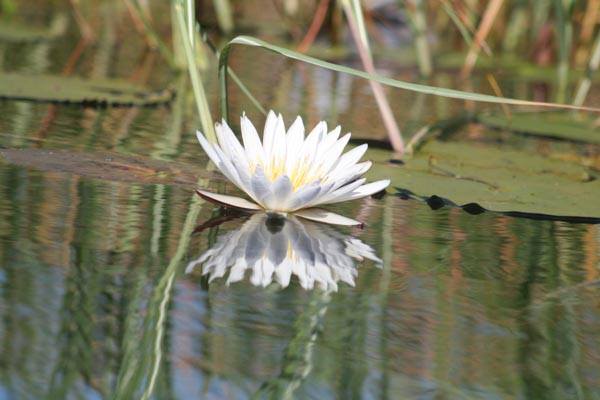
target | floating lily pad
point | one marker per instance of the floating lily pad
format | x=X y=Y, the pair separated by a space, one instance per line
x=551 y=124
x=90 y=92
x=498 y=180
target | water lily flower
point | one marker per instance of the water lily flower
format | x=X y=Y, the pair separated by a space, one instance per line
x=276 y=248
x=288 y=172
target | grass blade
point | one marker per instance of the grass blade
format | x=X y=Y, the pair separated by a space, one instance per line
x=247 y=93
x=190 y=17
x=199 y=93
x=231 y=73
x=414 y=87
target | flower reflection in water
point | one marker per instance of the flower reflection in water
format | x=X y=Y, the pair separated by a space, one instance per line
x=276 y=247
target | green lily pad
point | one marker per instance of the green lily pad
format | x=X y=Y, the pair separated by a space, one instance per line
x=92 y=92
x=550 y=124
x=498 y=180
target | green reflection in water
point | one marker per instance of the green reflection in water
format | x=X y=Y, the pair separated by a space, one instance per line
x=94 y=304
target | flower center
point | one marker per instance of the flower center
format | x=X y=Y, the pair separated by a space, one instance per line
x=300 y=174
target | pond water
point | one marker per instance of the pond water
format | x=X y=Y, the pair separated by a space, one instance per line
x=99 y=223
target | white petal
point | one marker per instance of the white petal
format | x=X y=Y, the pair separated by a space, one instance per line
x=350 y=158
x=262 y=273
x=208 y=148
x=269 y=133
x=278 y=152
x=236 y=273
x=282 y=189
x=283 y=273
x=326 y=140
x=304 y=195
x=294 y=140
x=342 y=179
x=253 y=147
x=342 y=191
x=350 y=174
x=223 y=199
x=354 y=155
x=363 y=191
x=335 y=133
x=310 y=145
x=261 y=188
x=334 y=152
x=230 y=144
x=319 y=215
x=371 y=188
x=226 y=167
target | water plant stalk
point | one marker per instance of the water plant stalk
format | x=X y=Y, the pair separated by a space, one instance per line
x=299 y=355
x=586 y=81
x=224 y=15
x=231 y=73
x=163 y=292
x=199 y=92
x=466 y=31
x=153 y=38
x=539 y=18
x=517 y=27
x=315 y=26
x=357 y=28
x=490 y=14
x=462 y=29
x=178 y=51
x=416 y=12
x=190 y=19
x=564 y=29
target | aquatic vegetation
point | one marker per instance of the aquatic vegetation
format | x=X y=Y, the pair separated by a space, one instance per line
x=288 y=172
x=96 y=92
x=100 y=217
x=275 y=248
x=460 y=173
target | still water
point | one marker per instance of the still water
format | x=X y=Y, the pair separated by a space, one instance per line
x=100 y=297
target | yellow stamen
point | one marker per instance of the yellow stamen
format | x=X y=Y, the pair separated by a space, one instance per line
x=300 y=175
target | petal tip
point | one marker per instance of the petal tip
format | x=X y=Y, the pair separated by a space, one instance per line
x=227 y=201
x=327 y=217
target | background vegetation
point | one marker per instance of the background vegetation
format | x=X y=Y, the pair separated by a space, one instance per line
x=98 y=208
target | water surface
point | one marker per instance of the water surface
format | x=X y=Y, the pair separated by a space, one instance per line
x=97 y=228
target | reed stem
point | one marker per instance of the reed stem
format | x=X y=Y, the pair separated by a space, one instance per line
x=490 y=14
x=586 y=81
x=357 y=28
x=416 y=11
x=199 y=92
x=565 y=37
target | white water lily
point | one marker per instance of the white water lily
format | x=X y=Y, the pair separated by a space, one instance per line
x=276 y=248
x=288 y=172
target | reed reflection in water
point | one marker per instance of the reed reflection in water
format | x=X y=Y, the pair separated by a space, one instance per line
x=274 y=247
